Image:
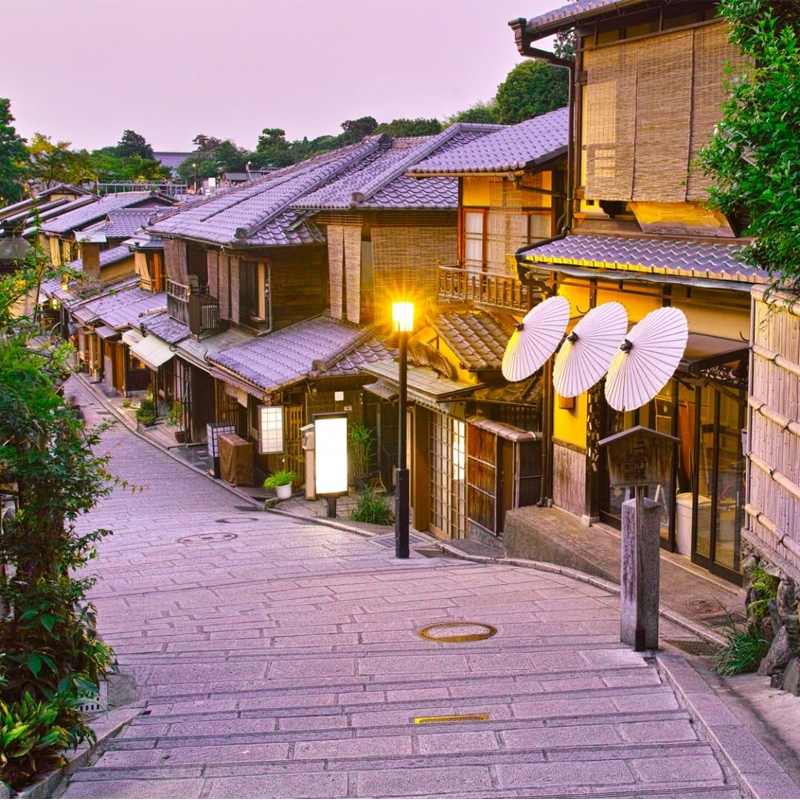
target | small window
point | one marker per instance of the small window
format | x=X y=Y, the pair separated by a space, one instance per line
x=539 y=227
x=155 y=271
x=270 y=429
x=254 y=300
x=474 y=238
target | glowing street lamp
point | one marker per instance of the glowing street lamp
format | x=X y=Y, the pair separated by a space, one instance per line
x=403 y=317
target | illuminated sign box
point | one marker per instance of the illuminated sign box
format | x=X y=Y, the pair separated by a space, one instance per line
x=330 y=439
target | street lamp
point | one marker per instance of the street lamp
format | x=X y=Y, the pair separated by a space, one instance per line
x=195 y=177
x=403 y=316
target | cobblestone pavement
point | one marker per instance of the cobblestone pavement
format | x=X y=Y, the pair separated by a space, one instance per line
x=281 y=659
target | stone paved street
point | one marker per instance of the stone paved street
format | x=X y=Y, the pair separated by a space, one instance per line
x=282 y=659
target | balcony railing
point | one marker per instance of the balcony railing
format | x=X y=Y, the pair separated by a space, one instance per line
x=483 y=289
x=194 y=307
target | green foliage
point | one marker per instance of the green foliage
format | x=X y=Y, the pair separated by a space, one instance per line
x=108 y=165
x=55 y=162
x=765 y=587
x=754 y=157
x=13 y=155
x=372 y=508
x=564 y=44
x=281 y=477
x=175 y=415
x=361 y=440
x=356 y=129
x=743 y=652
x=410 y=127
x=147 y=412
x=481 y=112
x=531 y=88
x=134 y=144
x=31 y=735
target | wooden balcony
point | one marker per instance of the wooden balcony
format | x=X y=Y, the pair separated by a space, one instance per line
x=194 y=307
x=484 y=289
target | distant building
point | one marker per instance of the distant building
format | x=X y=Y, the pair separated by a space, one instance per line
x=171 y=160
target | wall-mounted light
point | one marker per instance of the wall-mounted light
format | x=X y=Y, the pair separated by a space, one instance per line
x=330 y=440
x=64 y=283
x=270 y=429
x=55 y=303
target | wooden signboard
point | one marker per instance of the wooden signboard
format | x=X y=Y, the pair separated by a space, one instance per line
x=639 y=457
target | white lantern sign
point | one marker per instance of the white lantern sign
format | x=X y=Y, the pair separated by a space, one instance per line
x=330 y=438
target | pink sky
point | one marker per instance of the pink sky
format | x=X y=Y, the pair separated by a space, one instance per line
x=83 y=70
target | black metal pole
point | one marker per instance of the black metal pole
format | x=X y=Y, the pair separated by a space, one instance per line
x=401 y=489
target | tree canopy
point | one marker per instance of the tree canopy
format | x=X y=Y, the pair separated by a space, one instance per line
x=13 y=156
x=754 y=157
x=531 y=88
x=134 y=144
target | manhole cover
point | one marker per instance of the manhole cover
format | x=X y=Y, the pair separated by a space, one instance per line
x=433 y=553
x=196 y=538
x=387 y=542
x=458 y=632
x=703 y=607
x=236 y=520
x=453 y=718
x=693 y=647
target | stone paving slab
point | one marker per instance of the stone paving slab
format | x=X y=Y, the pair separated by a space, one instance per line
x=281 y=659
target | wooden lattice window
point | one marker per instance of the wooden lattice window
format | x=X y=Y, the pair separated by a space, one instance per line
x=448 y=498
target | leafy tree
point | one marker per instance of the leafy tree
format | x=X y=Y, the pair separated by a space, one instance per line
x=50 y=654
x=410 y=127
x=13 y=155
x=356 y=129
x=480 y=112
x=206 y=144
x=134 y=144
x=55 y=163
x=231 y=158
x=272 y=149
x=531 y=88
x=754 y=157
x=564 y=45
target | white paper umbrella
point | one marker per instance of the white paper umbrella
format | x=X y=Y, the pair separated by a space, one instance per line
x=647 y=359
x=535 y=338
x=586 y=353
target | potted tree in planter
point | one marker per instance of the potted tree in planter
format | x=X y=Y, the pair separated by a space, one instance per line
x=175 y=420
x=146 y=413
x=281 y=482
x=361 y=441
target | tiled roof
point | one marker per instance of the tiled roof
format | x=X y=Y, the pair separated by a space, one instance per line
x=368 y=352
x=171 y=159
x=119 y=309
x=80 y=217
x=379 y=180
x=289 y=355
x=660 y=255
x=124 y=222
x=513 y=148
x=52 y=286
x=258 y=213
x=166 y=328
x=477 y=339
x=568 y=15
x=198 y=351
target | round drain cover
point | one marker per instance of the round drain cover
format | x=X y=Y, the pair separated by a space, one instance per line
x=200 y=538
x=235 y=520
x=458 y=632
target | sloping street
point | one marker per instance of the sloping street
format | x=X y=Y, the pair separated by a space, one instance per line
x=280 y=659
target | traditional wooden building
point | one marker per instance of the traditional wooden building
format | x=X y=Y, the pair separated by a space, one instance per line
x=647 y=89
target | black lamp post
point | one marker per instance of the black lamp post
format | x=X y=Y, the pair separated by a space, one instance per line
x=403 y=315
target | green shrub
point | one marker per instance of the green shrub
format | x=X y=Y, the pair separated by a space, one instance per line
x=281 y=477
x=766 y=589
x=175 y=415
x=361 y=439
x=31 y=738
x=126 y=403
x=372 y=508
x=744 y=651
x=147 y=412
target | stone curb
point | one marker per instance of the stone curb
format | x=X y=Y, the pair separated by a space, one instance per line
x=331 y=523
x=105 y=728
x=756 y=771
x=673 y=616
x=134 y=430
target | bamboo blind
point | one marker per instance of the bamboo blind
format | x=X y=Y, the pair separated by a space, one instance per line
x=774 y=426
x=651 y=105
x=335 y=235
x=233 y=266
x=352 y=271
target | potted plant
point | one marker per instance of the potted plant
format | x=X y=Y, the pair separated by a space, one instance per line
x=281 y=482
x=175 y=420
x=146 y=413
x=361 y=441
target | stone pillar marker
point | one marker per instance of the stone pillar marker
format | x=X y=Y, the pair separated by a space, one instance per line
x=639 y=458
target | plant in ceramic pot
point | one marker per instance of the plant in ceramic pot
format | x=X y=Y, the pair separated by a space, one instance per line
x=175 y=420
x=281 y=482
x=146 y=413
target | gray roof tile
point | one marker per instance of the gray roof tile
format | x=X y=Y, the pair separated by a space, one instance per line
x=52 y=286
x=122 y=308
x=513 y=148
x=477 y=338
x=290 y=355
x=368 y=352
x=123 y=223
x=567 y=15
x=86 y=214
x=695 y=259
x=165 y=327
